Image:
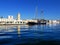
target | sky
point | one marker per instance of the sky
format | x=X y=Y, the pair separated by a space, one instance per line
x=27 y=9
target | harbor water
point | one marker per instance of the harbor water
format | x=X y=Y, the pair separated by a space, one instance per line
x=30 y=34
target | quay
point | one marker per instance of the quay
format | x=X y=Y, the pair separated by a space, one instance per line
x=11 y=21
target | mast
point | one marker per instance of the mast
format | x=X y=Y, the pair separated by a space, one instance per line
x=36 y=12
x=36 y=9
x=42 y=14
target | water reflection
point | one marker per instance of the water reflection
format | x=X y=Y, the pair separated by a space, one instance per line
x=18 y=29
x=50 y=25
x=12 y=28
x=19 y=34
x=9 y=31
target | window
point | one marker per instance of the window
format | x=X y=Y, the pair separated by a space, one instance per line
x=23 y=22
x=7 y=22
x=20 y=22
x=11 y=22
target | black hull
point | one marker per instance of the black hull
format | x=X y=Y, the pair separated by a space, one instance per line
x=33 y=23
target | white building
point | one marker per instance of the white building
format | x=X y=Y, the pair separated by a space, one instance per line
x=11 y=20
x=54 y=22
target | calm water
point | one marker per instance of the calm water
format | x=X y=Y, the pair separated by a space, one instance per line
x=25 y=34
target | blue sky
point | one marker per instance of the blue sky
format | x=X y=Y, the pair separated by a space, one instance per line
x=27 y=8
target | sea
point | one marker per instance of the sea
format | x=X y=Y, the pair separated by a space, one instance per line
x=48 y=34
